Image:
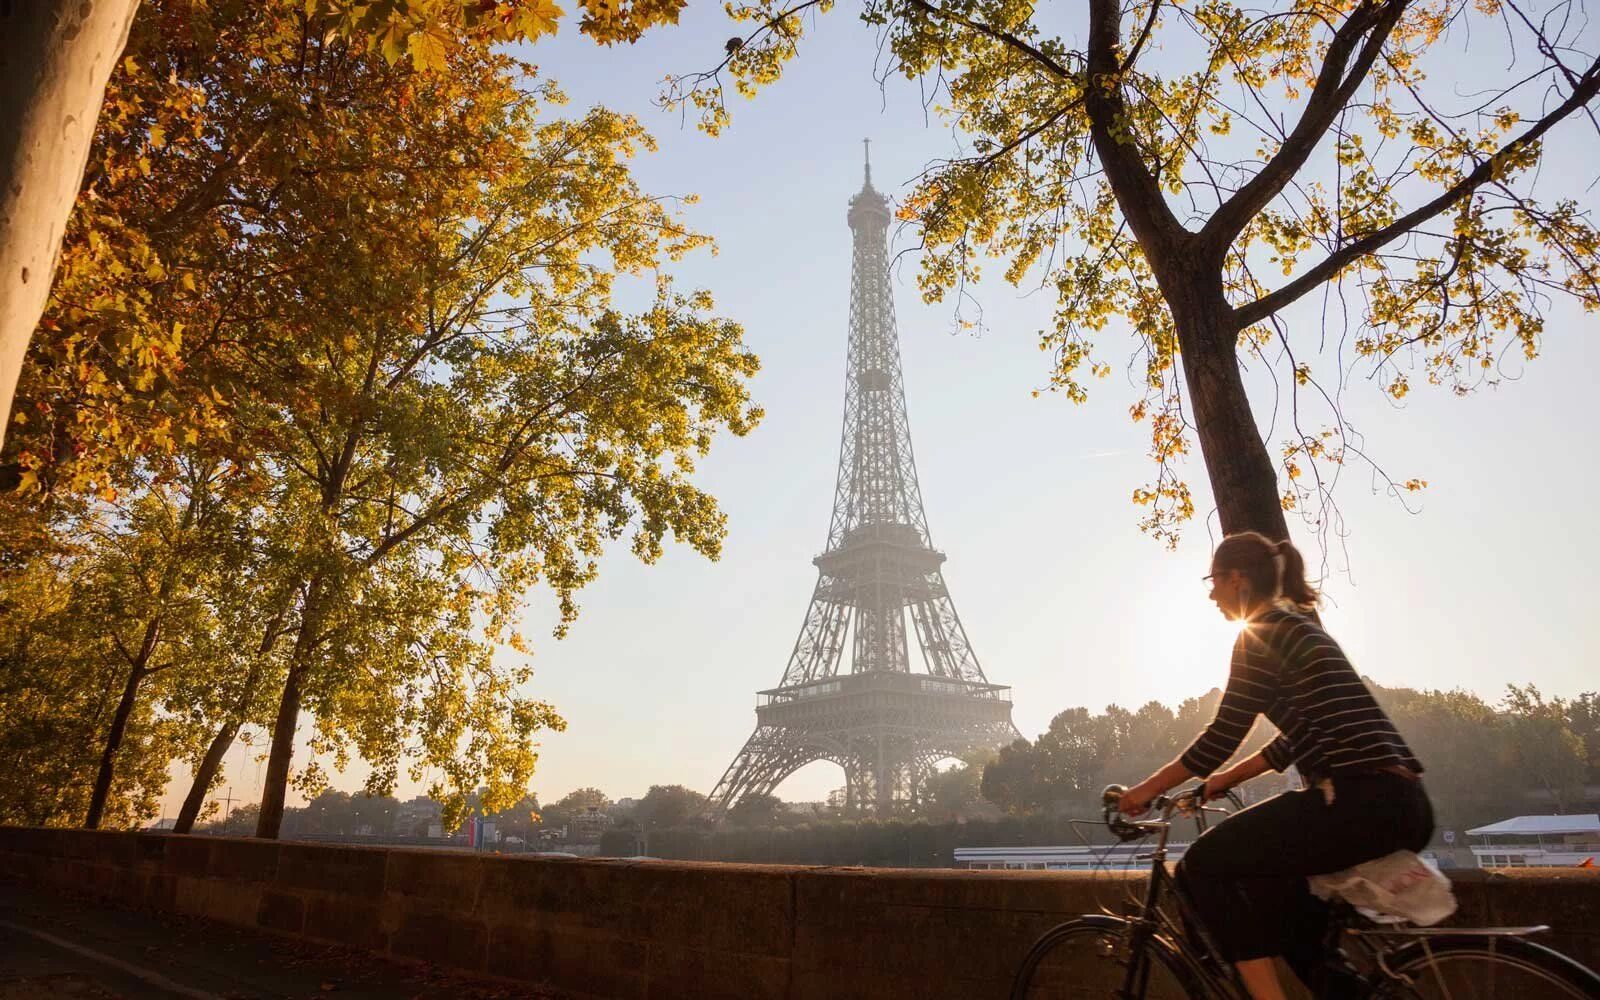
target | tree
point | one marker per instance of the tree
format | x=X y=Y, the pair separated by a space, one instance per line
x=330 y=813
x=1545 y=749
x=757 y=812
x=238 y=823
x=232 y=695
x=521 y=820
x=483 y=419
x=956 y=793
x=160 y=588
x=373 y=815
x=63 y=684
x=60 y=53
x=666 y=806
x=1164 y=164
x=1063 y=766
x=1460 y=739
x=575 y=802
x=426 y=431
x=154 y=564
x=1064 y=770
x=582 y=799
x=1583 y=718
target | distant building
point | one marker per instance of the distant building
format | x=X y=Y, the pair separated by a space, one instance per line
x=1076 y=857
x=587 y=826
x=1538 y=842
x=418 y=817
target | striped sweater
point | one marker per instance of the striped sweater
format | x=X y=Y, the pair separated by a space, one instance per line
x=1287 y=668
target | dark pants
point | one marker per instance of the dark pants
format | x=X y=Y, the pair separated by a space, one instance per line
x=1246 y=877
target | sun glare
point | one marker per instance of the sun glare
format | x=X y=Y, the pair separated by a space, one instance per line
x=1179 y=640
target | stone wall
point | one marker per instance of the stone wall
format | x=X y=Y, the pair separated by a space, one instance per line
x=609 y=928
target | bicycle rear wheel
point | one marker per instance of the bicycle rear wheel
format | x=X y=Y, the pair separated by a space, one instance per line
x=1087 y=959
x=1485 y=967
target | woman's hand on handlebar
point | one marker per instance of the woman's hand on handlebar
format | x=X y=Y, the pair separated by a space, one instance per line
x=1136 y=800
x=1216 y=786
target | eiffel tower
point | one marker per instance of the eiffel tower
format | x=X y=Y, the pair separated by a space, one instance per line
x=883 y=723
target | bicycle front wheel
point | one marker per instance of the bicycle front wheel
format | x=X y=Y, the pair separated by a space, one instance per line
x=1484 y=967
x=1089 y=958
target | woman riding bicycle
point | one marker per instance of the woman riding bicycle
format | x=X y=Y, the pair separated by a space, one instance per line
x=1363 y=799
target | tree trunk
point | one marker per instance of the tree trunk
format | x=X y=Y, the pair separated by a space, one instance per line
x=203 y=775
x=55 y=58
x=140 y=668
x=305 y=644
x=281 y=753
x=119 y=727
x=1244 y=482
x=212 y=761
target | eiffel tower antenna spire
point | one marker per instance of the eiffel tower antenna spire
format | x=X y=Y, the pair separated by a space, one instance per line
x=886 y=724
x=866 y=146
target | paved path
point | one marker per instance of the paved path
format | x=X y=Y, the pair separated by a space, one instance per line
x=53 y=946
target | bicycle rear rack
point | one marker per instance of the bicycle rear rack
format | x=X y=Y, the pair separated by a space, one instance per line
x=1381 y=930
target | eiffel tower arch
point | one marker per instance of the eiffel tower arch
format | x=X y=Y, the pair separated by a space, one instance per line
x=884 y=723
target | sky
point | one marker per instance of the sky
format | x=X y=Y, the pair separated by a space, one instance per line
x=1488 y=579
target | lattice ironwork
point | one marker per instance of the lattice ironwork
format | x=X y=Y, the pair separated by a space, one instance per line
x=885 y=725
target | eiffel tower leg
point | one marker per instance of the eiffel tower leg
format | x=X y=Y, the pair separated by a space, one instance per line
x=882 y=781
x=885 y=771
x=750 y=770
x=944 y=640
x=769 y=756
x=857 y=787
x=816 y=650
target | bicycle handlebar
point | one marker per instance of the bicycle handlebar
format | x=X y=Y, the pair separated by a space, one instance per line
x=1188 y=800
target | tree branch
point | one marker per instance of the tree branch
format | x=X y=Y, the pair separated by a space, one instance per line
x=1588 y=88
x=208 y=194
x=1144 y=36
x=1135 y=186
x=1334 y=88
x=1004 y=38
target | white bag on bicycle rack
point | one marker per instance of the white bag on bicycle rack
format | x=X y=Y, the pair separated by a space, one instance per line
x=1398 y=885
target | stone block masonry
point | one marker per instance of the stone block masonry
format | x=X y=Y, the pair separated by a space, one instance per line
x=661 y=929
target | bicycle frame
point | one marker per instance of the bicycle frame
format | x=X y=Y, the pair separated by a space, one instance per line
x=1217 y=979
x=1176 y=938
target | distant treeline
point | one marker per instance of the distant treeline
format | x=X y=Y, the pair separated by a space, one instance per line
x=1529 y=754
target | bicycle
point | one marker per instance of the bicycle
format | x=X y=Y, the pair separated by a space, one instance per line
x=1161 y=951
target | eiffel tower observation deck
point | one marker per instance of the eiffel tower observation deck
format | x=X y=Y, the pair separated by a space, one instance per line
x=884 y=723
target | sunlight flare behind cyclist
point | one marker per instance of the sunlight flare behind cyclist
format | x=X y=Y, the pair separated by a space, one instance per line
x=1363 y=797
